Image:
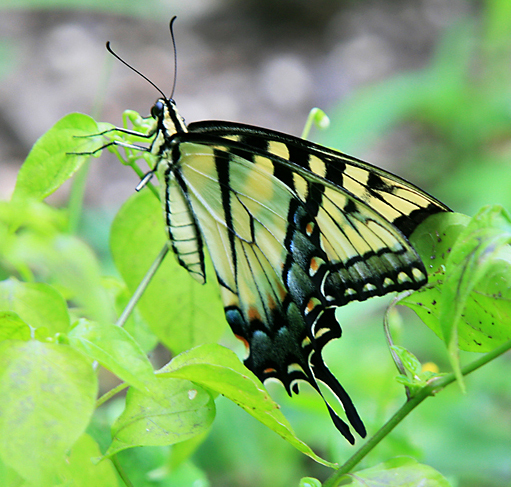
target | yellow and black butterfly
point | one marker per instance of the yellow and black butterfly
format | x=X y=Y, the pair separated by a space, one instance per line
x=293 y=229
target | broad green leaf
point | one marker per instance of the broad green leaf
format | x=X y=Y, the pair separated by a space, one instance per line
x=80 y=468
x=37 y=304
x=33 y=216
x=483 y=325
x=41 y=246
x=219 y=369
x=68 y=262
x=434 y=238
x=468 y=300
x=51 y=162
x=12 y=327
x=486 y=235
x=181 y=312
x=183 y=411
x=47 y=397
x=433 y=241
x=398 y=472
x=10 y=478
x=115 y=350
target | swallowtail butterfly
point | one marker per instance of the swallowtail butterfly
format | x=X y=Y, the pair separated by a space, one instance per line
x=293 y=229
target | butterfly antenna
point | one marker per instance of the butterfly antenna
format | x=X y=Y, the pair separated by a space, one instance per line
x=116 y=56
x=171 y=27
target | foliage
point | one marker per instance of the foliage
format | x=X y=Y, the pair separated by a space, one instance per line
x=57 y=308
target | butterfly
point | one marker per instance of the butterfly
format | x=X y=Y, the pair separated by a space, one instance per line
x=294 y=230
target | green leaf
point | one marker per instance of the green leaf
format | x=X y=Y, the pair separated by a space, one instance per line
x=12 y=327
x=309 y=482
x=476 y=248
x=219 y=369
x=408 y=359
x=115 y=350
x=434 y=239
x=397 y=472
x=180 y=311
x=50 y=162
x=47 y=397
x=31 y=215
x=416 y=378
x=468 y=299
x=37 y=304
x=69 y=262
x=483 y=324
x=182 y=411
x=79 y=470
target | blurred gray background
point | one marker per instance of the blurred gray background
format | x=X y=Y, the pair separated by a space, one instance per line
x=260 y=62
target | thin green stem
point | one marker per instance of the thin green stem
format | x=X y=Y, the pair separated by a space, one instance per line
x=308 y=125
x=142 y=286
x=317 y=117
x=434 y=386
x=388 y=335
x=112 y=392
x=121 y=471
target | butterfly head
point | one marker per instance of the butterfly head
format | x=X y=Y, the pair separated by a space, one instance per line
x=167 y=118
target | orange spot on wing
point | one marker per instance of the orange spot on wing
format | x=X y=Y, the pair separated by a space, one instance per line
x=271 y=301
x=245 y=342
x=281 y=290
x=253 y=314
x=309 y=228
x=310 y=305
x=269 y=370
x=314 y=265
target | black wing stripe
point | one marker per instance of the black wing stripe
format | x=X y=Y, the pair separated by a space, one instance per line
x=222 y=168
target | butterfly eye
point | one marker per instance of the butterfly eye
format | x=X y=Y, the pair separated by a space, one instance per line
x=157 y=109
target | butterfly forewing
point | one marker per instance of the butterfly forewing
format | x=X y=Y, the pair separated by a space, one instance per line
x=294 y=230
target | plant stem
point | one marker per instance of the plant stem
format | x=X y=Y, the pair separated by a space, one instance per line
x=142 y=286
x=121 y=471
x=434 y=386
x=315 y=116
x=112 y=392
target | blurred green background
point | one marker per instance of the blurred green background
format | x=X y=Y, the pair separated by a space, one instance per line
x=419 y=87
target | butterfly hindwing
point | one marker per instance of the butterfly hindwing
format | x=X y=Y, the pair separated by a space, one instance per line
x=294 y=230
